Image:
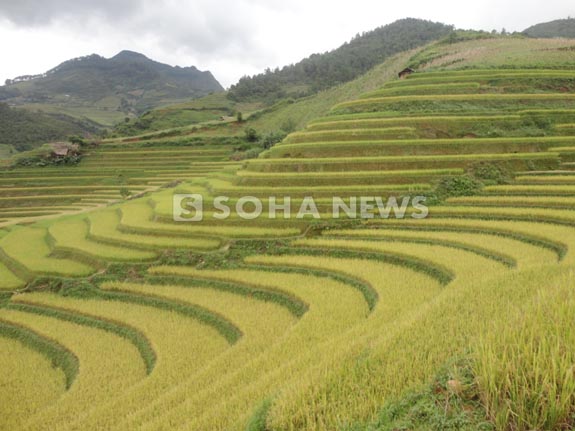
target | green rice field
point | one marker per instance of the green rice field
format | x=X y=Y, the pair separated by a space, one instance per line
x=123 y=317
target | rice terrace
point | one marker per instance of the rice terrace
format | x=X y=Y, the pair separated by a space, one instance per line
x=442 y=297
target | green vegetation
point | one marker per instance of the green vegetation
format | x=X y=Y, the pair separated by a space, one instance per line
x=553 y=29
x=86 y=87
x=25 y=130
x=308 y=324
x=449 y=402
x=215 y=108
x=322 y=71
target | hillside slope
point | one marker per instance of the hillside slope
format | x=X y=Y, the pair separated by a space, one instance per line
x=482 y=50
x=24 y=130
x=107 y=90
x=557 y=28
x=352 y=59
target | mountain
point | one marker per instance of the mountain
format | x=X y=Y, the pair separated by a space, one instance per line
x=321 y=71
x=106 y=90
x=557 y=28
x=24 y=130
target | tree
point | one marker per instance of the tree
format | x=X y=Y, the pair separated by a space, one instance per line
x=251 y=134
x=239 y=117
x=76 y=140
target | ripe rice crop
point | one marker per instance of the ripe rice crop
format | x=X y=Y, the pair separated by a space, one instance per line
x=405 y=354
x=170 y=335
x=534 y=387
x=104 y=228
x=71 y=236
x=554 y=237
x=326 y=316
x=104 y=357
x=507 y=251
x=39 y=382
x=9 y=280
x=138 y=219
x=28 y=248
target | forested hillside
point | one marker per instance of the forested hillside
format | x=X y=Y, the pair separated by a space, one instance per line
x=557 y=28
x=25 y=130
x=322 y=71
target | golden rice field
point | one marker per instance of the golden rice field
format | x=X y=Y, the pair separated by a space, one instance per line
x=114 y=316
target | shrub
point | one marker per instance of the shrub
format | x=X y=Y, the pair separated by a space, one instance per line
x=272 y=138
x=490 y=173
x=251 y=134
x=463 y=185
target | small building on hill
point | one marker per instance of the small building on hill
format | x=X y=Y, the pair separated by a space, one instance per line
x=63 y=149
x=60 y=149
x=406 y=72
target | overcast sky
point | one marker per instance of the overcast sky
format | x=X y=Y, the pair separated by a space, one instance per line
x=231 y=38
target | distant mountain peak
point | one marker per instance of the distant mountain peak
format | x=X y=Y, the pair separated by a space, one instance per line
x=129 y=55
x=127 y=84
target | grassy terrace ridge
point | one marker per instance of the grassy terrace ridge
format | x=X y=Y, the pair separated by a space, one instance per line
x=482 y=83
x=534 y=189
x=548 y=140
x=224 y=186
x=353 y=174
x=398 y=115
x=553 y=216
x=391 y=159
x=458 y=88
x=564 y=177
x=315 y=136
x=455 y=97
x=430 y=77
x=409 y=146
x=334 y=123
x=517 y=201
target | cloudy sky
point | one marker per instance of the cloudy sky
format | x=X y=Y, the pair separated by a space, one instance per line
x=231 y=38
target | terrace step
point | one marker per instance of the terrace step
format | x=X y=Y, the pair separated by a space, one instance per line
x=117 y=362
x=40 y=380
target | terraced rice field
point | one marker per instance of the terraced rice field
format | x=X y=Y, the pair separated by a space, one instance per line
x=107 y=174
x=128 y=320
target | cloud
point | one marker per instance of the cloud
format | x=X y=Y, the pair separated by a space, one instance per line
x=31 y=13
x=231 y=38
